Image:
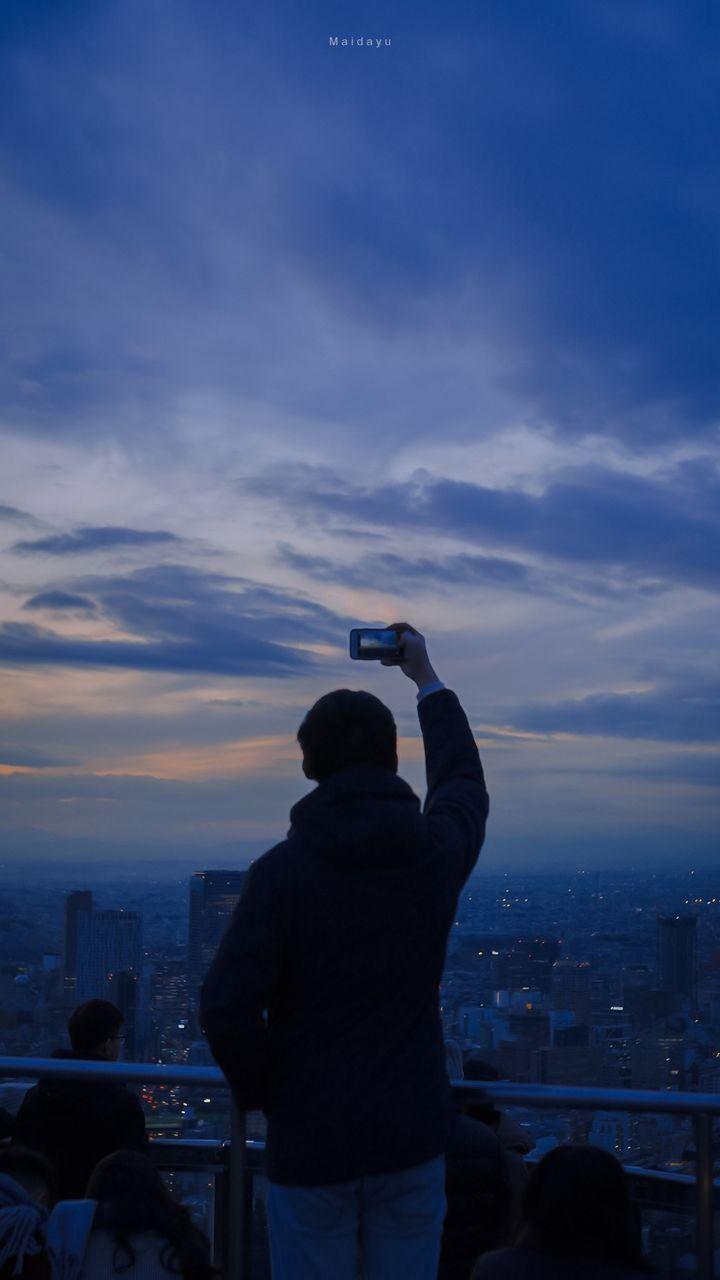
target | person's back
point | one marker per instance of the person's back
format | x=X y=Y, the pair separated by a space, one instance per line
x=147 y=1257
x=576 y=1223
x=74 y=1123
x=138 y=1230
x=479 y=1198
x=340 y=935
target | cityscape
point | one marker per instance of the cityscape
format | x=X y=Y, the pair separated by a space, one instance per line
x=578 y=978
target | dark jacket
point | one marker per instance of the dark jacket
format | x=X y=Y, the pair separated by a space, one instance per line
x=340 y=935
x=77 y=1122
x=480 y=1199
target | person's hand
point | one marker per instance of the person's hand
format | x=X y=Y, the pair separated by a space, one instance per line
x=415 y=663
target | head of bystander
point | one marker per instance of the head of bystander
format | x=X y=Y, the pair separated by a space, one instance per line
x=95 y=1030
x=137 y=1216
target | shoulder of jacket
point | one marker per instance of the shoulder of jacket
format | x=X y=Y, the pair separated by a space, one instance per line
x=270 y=863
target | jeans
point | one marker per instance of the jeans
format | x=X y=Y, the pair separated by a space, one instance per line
x=386 y=1226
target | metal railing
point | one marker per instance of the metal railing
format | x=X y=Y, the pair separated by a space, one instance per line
x=240 y=1159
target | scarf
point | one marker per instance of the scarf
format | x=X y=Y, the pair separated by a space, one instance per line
x=21 y=1224
x=68 y=1230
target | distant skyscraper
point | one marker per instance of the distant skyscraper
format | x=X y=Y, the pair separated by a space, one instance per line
x=676 y=951
x=77 y=903
x=571 y=989
x=213 y=895
x=124 y=991
x=109 y=943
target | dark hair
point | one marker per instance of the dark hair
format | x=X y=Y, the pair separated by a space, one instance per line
x=577 y=1202
x=348 y=727
x=92 y=1023
x=31 y=1170
x=132 y=1199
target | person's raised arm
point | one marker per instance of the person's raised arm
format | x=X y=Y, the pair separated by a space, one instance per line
x=456 y=802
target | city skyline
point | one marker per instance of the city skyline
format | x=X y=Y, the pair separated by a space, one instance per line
x=304 y=337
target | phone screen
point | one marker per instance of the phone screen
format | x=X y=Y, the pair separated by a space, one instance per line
x=369 y=642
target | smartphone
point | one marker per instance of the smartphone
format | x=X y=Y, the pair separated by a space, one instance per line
x=369 y=642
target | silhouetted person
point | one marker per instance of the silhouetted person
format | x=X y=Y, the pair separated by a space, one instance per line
x=577 y=1223
x=77 y=1122
x=483 y=1183
x=27 y=1189
x=322 y=1004
x=138 y=1230
x=514 y=1138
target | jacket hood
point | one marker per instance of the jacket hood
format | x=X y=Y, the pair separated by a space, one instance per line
x=363 y=816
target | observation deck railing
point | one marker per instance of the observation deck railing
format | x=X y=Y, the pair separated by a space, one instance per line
x=234 y=1163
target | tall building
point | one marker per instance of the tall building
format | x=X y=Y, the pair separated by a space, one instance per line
x=124 y=991
x=571 y=989
x=77 y=903
x=213 y=895
x=109 y=943
x=676 y=955
x=526 y=964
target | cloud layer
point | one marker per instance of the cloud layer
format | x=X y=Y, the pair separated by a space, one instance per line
x=300 y=337
x=104 y=538
x=182 y=620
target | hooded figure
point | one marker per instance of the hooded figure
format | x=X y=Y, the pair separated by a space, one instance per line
x=322 y=1004
x=340 y=935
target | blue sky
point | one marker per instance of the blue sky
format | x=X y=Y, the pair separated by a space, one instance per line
x=300 y=337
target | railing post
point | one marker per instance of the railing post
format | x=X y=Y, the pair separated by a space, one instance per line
x=705 y=1247
x=221 y=1217
x=238 y=1249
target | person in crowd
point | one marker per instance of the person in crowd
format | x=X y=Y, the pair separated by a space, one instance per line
x=27 y=1189
x=513 y=1137
x=322 y=1003
x=478 y=1186
x=77 y=1122
x=136 y=1228
x=576 y=1223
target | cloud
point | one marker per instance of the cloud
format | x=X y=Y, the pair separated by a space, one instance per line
x=394 y=571
x=186 y=621
x=100 y=538
x=680 y=712
x=562 y=269
x=18 y=756
x=664 y=528
x=12 y=513
x=31 y=646
x=60 y=600
x=442 y=574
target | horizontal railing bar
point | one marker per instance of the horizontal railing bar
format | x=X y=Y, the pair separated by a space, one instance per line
x=533 y=1095
x=131 y=1072
x=575 y=1098
x=197 y=1144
